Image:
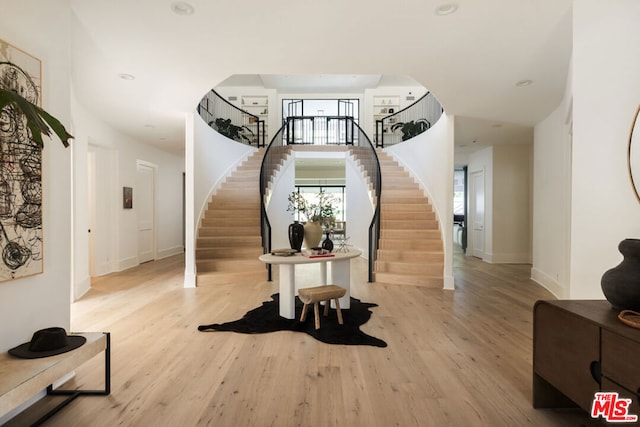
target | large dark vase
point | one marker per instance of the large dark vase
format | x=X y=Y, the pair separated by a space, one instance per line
x=327 y=244
x=621 y=284
x=296 y=235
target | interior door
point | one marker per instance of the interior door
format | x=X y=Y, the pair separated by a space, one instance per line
x=293 y=108
x=345 y=108
x=91 y=210
x=143 y=204
x=477 y=202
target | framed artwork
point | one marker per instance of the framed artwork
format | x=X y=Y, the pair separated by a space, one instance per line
x=127 y=197
x=21 y=246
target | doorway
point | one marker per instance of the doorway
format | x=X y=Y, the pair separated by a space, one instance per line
x=321 y=107
x=144 y=206
x=101 y=215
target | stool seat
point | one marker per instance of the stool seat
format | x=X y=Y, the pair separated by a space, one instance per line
x=318 y=294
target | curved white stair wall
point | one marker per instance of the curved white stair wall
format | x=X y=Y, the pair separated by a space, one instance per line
x=215 y=157
x=429 y=158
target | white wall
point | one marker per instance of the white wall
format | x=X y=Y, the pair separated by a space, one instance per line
x=606 y=66
x=359 y=207
x=279 y=218
x=32 y=303
x=512 y=204
x=552 y=198
x=429 y=156
x=215 y=157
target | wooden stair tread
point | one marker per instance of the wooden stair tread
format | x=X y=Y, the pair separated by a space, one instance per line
x=410 y=246
x=229 y=242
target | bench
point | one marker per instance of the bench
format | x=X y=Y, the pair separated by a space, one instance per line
x=318 y=294
x=22 y=379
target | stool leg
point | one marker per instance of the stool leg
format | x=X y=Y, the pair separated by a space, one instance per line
x=316 y=312
x=327 y=303
x=304 y=312
x=338 y=311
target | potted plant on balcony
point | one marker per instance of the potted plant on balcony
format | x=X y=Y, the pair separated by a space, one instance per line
x=411 y=128
x=319 y=214
x=231 y=131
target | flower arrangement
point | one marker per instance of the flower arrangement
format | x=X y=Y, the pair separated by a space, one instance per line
x=322 y=211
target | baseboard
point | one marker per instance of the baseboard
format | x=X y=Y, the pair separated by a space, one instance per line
x=448 y=283
x=127 y=263
x=549 y=283
x=508 y=258
x=80 y=288
x=189 y=280
x=166 y=253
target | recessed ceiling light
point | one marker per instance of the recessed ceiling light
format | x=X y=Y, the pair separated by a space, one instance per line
x=446 y=9
x=125 y=76
x=523 y=83
x=182 y=8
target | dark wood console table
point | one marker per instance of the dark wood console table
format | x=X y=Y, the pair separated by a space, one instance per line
x=580 y=347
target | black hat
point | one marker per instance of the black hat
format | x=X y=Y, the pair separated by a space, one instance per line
x=48 y=342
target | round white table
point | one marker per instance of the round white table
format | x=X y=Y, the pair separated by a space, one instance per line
x=340 y=275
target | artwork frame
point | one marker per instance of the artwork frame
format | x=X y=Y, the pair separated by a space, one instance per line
x=127 y=197
x=21 y=225
x=633 y=154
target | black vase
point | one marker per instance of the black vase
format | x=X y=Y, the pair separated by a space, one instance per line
x=296 y=235
x=621 y=284
x=327 y=244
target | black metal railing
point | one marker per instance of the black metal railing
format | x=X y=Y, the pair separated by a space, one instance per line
x=365 y=153
x=319 y=130
x=305 y=130
x=408 y=122
x=231 y=121
x=274 y=157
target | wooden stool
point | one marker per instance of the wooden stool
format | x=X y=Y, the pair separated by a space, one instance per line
x=321 y=293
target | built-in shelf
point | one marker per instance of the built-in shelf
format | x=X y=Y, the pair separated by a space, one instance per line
x=384 y=106
x=257 y=106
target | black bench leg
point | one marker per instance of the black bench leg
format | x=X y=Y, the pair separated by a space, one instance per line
x=72 y=394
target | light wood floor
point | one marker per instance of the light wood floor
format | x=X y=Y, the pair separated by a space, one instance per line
x=458 y=358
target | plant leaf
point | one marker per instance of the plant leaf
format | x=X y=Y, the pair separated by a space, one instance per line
x=39 y=121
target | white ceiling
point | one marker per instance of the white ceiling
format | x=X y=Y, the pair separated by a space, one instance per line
x=318 y=83
x=471 y=59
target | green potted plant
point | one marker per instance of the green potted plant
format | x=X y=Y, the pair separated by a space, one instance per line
x=38 y=120
x=411 y=128
x=231 y=131
x=319 y=214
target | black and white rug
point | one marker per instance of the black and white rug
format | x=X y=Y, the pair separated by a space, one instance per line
x=266 y=318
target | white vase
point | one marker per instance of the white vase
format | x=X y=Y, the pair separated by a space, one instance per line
x=312 y=234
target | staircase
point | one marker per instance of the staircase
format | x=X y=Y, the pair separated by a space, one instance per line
x=410 y=250
x=229 y=243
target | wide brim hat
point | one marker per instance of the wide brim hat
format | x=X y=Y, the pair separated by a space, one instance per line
x=48 y=342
